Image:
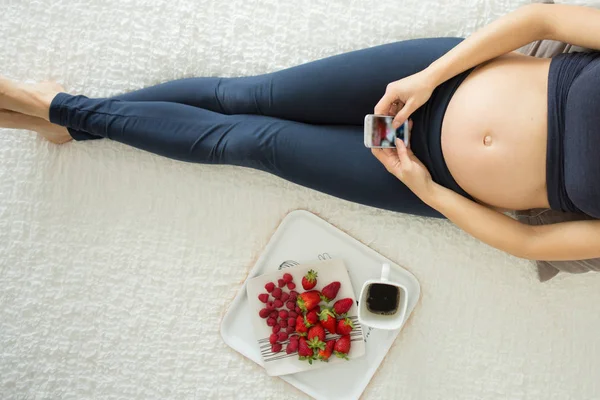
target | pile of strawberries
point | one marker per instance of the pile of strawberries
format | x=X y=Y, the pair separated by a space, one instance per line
x=298 y=319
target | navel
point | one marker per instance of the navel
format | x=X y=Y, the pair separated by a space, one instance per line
x=487 y=140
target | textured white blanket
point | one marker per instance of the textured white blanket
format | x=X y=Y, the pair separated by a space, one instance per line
x=116 y=265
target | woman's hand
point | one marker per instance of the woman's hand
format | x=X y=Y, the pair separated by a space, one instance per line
x=403 y=97
x=403 y=164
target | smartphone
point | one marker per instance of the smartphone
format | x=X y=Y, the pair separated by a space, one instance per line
x=379 y=132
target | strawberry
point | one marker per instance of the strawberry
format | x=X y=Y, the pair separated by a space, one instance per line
x=327 y=318
x=283 y=314
x=271 y=322
x=290 y=305
x=311 y=318
x=309 y=280
x=288 y=277
x=301 y=329
x=324 y=354
x=276 y=328
x=316 y=332
x=291 y=347
x=344 y=326
x=269 y=287
x=281 y=283
x=342 y=306
x=263 y=297
x=264 y=313
x=342 y=347
x=329 y=292
x=308 y=300
x=276 y=348
x=273 y=338
x=278 y=303
x=291 y=285
x=277 y=293
x=284 y=297
x=305 y=352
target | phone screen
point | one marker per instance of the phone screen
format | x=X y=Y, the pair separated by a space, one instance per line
x=382 y=132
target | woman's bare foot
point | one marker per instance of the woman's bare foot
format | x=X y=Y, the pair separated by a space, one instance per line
x=14 y=120
x=29 y=99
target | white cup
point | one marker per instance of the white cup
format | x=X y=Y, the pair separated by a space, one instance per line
x=382 y=321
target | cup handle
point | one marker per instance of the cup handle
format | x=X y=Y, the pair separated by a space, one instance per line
x=385 y=272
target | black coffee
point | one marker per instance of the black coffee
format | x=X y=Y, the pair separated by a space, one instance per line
x=383 y=299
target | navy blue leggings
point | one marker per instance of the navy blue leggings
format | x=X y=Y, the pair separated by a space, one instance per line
x=303 y=124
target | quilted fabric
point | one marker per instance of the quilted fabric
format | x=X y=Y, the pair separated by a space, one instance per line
x=116 y=265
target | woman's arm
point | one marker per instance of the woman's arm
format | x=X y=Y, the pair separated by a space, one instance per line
x=576 y=25
x=575 y=240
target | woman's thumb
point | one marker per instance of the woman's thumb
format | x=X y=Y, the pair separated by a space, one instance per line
x=403 y=114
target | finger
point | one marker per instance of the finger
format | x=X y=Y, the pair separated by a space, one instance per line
x=384 y=105
x=403 y=114
x=386 y=155
x=402 y=152
x=389 y=159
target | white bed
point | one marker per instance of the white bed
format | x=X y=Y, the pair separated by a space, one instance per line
x=116 y=265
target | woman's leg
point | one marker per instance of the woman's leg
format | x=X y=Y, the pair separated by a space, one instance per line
x=340 y=89
x=331 y=159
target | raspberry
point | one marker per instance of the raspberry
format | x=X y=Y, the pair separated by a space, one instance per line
x=283 y=323
x=278 y=303
x=298 y=310
x=291 y=321
x=270 y=305
x=277 y=293
x=290 y=305
x=276 y=348
x=276 y=328
x=274 y=314
x=284 y=297
x=269 y=287
x=292 y=314
x=291 y=285
x=283 y=314
x=281 y=336
x=288 y=277
x=281 y=283
x=294 y=338
x=291 y=347
x=273 y=338
x=290 y=329
x=294 y=293
x=263 y=297
x=293 y=296
x=272 y=322
x=264 y=313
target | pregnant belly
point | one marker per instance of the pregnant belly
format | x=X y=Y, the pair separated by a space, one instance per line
x=495 y=130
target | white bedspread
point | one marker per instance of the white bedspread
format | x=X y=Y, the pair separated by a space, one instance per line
x=116 y=265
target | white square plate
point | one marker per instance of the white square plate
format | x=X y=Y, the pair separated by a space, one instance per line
x=282 y=363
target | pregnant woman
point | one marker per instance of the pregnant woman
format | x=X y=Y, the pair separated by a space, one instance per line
x=492 y=130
